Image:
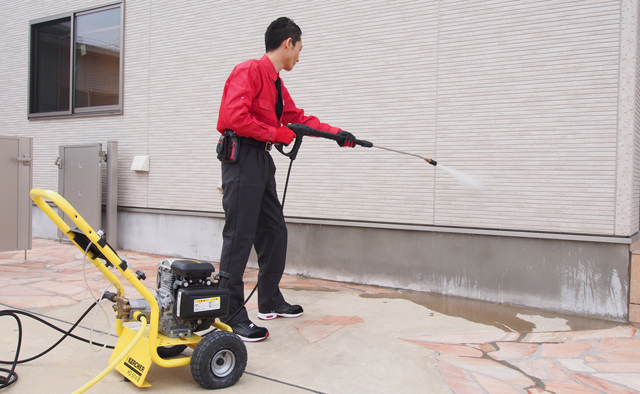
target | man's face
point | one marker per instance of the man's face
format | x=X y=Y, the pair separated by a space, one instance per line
x=292 y=54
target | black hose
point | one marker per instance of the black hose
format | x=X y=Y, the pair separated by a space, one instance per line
x=11 y=377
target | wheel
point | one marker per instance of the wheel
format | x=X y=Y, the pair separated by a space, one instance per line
x=170 y=351
x=219 y=360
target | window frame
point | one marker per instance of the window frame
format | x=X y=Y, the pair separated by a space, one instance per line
x=116 y=109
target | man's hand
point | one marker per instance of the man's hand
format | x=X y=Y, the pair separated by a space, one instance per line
x=285 y=135
x=347 y=140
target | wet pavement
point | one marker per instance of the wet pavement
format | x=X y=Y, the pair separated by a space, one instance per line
x=352 y=338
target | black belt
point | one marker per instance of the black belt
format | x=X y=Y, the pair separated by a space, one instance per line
x=259 y=144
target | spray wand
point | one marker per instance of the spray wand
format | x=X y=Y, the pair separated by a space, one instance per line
x=430 y=161
x=302 y=130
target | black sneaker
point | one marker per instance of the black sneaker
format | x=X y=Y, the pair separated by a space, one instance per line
x=285 y=310
x=249 y=332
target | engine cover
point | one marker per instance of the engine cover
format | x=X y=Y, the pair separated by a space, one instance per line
x=201 y=302
x=192 y=269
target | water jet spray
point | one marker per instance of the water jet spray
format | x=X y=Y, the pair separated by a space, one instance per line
x=302 y=130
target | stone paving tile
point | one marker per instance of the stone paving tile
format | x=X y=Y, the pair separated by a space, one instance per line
x=474 y=337
x=485 y=347
x=617 y=357
x=23 y=281
x=591 y=359
x=602 y=385
x=631 y=380
x=536 y=390
x=616 y=367
x=513 y=351
x=37 y=301
x=575 y=365
x=452 y=350
x=22 y=291
x=10 y=269
x=573 y=349
x=28 y=265
x=494 y=386
x=569 y=388
x=58 y=287
x=544 y=369
x=489 y=368
x=614 y=344
x=459 y=380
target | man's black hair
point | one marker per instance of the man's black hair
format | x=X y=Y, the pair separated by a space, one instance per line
x=280 y=30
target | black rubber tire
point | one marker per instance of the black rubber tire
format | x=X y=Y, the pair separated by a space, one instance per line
x=170 y=351
x=229 y=354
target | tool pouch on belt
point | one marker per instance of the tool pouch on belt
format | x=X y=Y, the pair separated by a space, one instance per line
x=228 y=147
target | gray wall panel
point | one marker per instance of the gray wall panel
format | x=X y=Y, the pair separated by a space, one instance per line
x=585 y=278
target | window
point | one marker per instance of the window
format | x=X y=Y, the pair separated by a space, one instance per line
x=76 y=63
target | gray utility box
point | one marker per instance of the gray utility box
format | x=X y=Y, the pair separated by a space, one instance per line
x=80 y=182
x=16 y=173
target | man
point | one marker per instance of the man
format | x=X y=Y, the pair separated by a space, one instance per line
x=255 y=105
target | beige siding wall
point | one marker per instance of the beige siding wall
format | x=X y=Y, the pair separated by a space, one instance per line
x=528 y=102
x=523 y=94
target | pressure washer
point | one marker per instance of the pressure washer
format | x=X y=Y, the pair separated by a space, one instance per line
x=157 y=329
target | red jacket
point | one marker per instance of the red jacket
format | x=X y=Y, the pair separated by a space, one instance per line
x=248 y=104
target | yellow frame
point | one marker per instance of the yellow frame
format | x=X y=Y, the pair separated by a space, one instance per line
x=156 y=339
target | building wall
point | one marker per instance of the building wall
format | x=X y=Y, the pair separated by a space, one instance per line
x=523 y=95
x=537 y=99
x=587 y=277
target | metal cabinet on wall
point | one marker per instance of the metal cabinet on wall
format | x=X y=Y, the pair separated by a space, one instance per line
x=80 y=181
x=16 y=175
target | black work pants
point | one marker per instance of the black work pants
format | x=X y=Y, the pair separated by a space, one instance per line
x=253 y=217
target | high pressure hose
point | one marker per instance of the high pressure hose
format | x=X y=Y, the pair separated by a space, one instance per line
x=12 y=376
x=121 y=356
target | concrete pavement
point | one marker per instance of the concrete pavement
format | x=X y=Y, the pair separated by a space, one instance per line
x=351 y=339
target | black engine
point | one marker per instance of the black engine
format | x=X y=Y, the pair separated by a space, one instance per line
x=188 y=298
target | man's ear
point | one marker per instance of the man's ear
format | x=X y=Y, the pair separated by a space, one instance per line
x=288 y=43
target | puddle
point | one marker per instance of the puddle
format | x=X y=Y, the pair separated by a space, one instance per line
x=509 y=318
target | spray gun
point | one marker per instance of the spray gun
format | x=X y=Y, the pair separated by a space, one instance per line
x=302 y=130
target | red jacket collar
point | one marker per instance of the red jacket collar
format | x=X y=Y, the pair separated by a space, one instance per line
x=271 y=69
